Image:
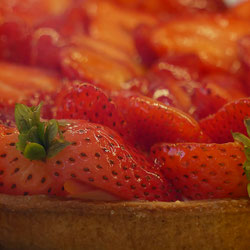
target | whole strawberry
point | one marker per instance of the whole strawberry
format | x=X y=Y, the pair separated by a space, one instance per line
x=203 y=171
x=85 y=153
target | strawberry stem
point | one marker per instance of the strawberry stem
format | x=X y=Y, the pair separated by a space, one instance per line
x=37 y=140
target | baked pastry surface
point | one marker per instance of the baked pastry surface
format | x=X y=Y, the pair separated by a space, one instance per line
x=40 y=222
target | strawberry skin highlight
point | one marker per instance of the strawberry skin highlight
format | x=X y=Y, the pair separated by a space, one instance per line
x=203 y=171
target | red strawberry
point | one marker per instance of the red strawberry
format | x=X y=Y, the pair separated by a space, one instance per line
x=244 y=55
x=94 y=65
x=241 y=10
x=206 y=35
x=24 y=84
x=19 y=175
x=151 y=122
x=230 y=118
x=203 y=171
x=174 y=7
x=87 y=102
x=20 y=82
x=102 y=160
x=96 y=157
x=14 y=40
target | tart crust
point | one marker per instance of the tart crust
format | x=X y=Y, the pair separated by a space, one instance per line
x=40 y=222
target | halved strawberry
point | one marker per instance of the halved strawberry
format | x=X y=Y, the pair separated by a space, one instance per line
x=150 y=121
x=24 y=84
x=241 y=10
x=206 y=35
x=89 y=64
x=206 y=102
x=173 y=7
x=95 y=156
x=230 y=118
x=114 y=26
x=244 y=55
x=34 y=11
x=215 y=90
x=203 y=171
x=87 y=102
x=14 y=40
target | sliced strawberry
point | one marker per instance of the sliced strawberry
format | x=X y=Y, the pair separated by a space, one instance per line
x=73 y=21
x=241 y=10
x=34 y=11
x=244 y=55
x=45 y=47
x=206 y=35
x=14 y=40
x=203 y=171
x=206 y=102
x=230 y=118
x=87 y=102
x=216 y=89
x=19 y=82
x=176 y=76
x=174 y=7
x=23 y=84
x=151 y=122
x=113 y=25
x=91 y=65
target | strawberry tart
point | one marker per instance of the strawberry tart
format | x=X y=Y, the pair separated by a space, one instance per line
x=124 y=124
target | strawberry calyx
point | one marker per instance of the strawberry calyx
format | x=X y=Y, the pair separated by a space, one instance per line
x=246 y=142
x=37 y=140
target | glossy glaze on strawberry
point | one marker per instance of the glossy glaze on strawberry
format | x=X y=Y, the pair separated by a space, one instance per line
x=203 y=171
x=95 y=156
x=150 y=122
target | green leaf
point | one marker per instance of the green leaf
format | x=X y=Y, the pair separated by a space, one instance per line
x=241 y=138
x=56 y=146
x=246 y=167
x=40 y=131
x=23 y=118
x=30 y=136
x=246 y=143
x=51 y=131
x=22 y=141
x=34 y=151
x=42 y=139
x=247 y=124
x=36 y=112
x=247 y=153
